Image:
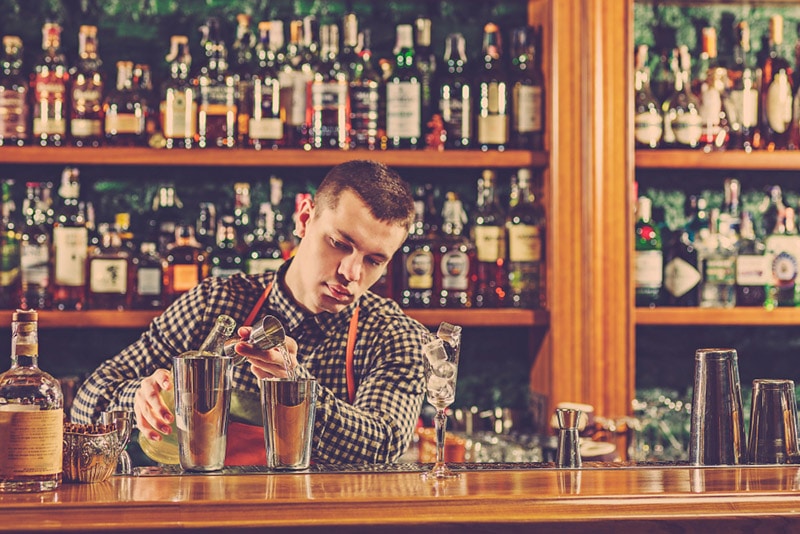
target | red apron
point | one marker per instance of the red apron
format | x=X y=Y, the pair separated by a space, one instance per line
x=246 y=444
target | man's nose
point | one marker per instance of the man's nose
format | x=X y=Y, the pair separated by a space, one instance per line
x=350 y=267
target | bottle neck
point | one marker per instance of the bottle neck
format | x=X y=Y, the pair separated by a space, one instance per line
x=24 y=344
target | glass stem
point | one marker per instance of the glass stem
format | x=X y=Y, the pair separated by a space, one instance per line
x=440 y=421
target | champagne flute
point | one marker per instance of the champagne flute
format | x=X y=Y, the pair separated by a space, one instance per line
x=441 y=369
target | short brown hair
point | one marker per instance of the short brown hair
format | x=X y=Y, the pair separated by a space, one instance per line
x=385 y=193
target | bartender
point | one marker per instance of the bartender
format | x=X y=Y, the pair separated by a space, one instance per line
x=364 y=352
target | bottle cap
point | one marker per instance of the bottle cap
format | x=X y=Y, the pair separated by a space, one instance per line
x=25 y=316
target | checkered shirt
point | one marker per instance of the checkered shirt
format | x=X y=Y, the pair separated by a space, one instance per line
x=388 y=365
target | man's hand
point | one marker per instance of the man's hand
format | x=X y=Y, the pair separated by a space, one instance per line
x=266 y=363
x=153 y=417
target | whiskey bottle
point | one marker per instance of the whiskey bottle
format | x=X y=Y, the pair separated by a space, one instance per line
x=148 y=272
x=87 y=92
x=14 y=109
x=218 y=107
x=455 y=94
x=186 y=264
x=297 y=71
x=32 y=425
x=226 y=258
x=454 y=267
x=713 y=97
x=648 y=122
x=49 y=82
x=35 y=254
x=70 y=246
x=125 y=112
x=526 y=256
x=327 y=122
x=783 y=254
x=366 y=98
x=266 y=128
x=649 y=259
x=743 y=96
x=753 y=272
x=178 y=106
x=489 y=236
x=404 y=95
x=425 y=60
x=682 y=121
x=264 y=252
x=242 y=69
x=493 y=96
x=10 y=283
x=777 y=92
x=527 y=90
x=416 y=255
x=109 y=274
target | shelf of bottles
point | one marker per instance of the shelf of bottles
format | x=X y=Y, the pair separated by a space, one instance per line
x=734 y=160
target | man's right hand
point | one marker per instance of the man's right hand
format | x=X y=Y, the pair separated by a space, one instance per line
x=153 y=417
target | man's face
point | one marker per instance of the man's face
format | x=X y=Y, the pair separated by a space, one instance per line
x=343 y=252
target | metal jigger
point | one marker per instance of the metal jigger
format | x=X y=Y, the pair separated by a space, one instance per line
x=568 y=454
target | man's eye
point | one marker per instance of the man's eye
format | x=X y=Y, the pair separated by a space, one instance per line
x=340 y=245
x=374 y=262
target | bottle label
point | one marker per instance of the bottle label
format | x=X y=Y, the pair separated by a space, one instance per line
x=108 y=275
x=783 y=252
x=456 y=112
x=493 y=129
x=70 y=246
x=711 y=108
x=720 y=271
x=528 y=108
x=648 y=270
x=419 y=268
x=687 y=127
x=31 y=441
x=49 y=126
x=34 y=260
x=743 y=107
x=266 y=129
x=364 y=110
x=779 y=103
x=50 y=98
x=680 y=277
x=178 y=115
x=148 y=281
x=13 y=114
x=124 y=123
x=293 y=95
x=455 y=270
x=184 y=277
x=264 y=265
x=648 y=127
x=524 y=243
x=490 y=242
x=752 y=270
x=403 y=110
x=86 y=127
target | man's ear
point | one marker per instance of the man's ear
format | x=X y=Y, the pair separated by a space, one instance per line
x=304 y=213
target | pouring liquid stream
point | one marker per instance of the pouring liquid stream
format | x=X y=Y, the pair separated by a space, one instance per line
x=287 y=363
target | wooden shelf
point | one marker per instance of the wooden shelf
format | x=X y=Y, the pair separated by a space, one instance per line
x=140 y=319
x=717 y=317
x=786 y=160
x=276 y=158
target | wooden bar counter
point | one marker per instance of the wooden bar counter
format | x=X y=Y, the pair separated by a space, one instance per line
x=591 y=499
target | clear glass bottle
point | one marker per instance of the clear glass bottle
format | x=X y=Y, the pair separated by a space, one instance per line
x=32 y=425
x=454 y=258
x=218 y=106
x=125 y=112
x=489 y=236
x=148 y=271
x=526 y=252
x=777 y=91
x=109 y=274
x=753 y=271
x=404 y=95
x=186 y=264
x=493 y=93
x=648 y=122
x=35 y=247
x=455 y=94
x=527 y=90
x=49 y=82
x=87 y=92
x=682 y=121
x=266 y=128
x=717 y=251
x=327 y=100
x=649 y=259
x=70 y=246
x=743 y=96
x=14 y=108
x=178 y=107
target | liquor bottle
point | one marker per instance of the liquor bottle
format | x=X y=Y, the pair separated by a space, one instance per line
x=178 y=106
x=148 y=270
x=35 y=255
x=282 y=233
x=489 y=236
x=717 y=251
x=165 y=216
x=404 y=95
x=297 y=71
x=70 y=246
x=366 y=98
x=241 y=213
x=264 y=252
x=527 y=90
x=218 y=107
x=682 y=121
x=730 y=212
x=753 y=272
x=681 y=282
x=109 y=274
x=125 y=113
x=416 y=255
x=87 y=92
x=454 y=258
x=493 y=96
x=49 y=81
x=206 y=225
x=775 y=212
x=743 y=96
x=14 y=109
x=648 y=122
x=648 y=257
x=327 y=100
x=783 y=254
x=526 y=253
x=455 y=94
x=10 y=282
x=425 y=60
x=186 y=264
x=143 y=86
x=242 y=69
x=777 y=92
x=713 y=96
x=226 y=258
x=266 y=127
x=32 y=425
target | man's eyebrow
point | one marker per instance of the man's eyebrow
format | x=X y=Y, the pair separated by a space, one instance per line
x=378 y=255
